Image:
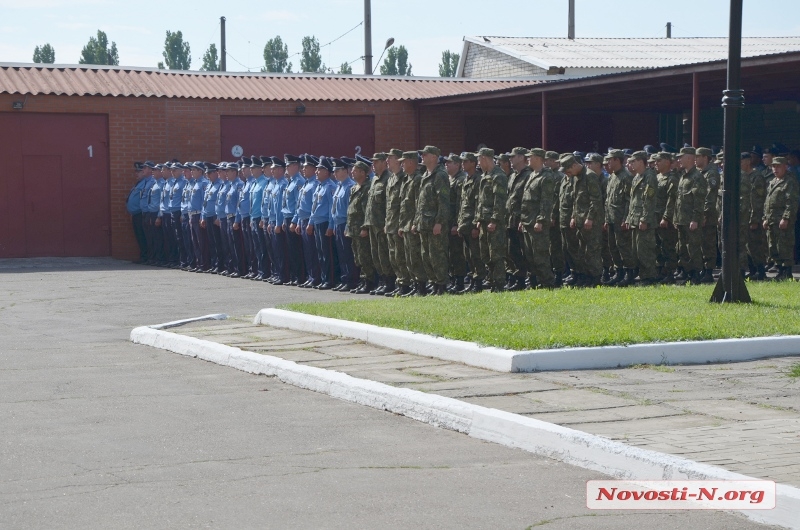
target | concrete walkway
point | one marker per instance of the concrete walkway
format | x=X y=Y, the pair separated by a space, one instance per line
x=743 y=417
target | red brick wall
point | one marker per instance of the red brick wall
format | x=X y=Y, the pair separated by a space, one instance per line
x=189 y=129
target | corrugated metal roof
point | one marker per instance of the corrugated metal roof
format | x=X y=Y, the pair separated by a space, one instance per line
x=630 y=53
x=143 y=82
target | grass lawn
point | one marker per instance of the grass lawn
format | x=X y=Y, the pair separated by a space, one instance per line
x=579 y=317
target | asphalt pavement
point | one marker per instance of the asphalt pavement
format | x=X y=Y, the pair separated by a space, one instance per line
x=96 y=432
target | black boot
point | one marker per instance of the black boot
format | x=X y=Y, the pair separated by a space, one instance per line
x=389 y=285
x=458 y=285
x=606 y=277
x=627 y=279
x=412 y=291
x=367 y=288
x=694 y=278
x=619 y=274
x=708 y=276
x=760 y=275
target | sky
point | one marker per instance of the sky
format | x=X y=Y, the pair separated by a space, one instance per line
x=424 y=27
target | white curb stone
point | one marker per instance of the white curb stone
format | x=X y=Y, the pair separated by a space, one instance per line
x=502 y=360
x=567 y=445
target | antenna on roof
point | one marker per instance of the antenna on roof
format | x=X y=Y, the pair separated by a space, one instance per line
x=571 y=29
x=669 y=30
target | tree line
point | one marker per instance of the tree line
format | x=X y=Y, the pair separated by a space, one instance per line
x=177 y=56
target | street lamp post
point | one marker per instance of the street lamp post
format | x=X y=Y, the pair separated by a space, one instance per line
x=731 y=286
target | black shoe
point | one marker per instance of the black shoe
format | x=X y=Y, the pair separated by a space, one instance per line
x=355 y=288
x=412 y=291
x=394 y=292
x=366 y=288
x=325 y=286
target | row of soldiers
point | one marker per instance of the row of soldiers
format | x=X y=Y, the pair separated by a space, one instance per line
x=416 y=223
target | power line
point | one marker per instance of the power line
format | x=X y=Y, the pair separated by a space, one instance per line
x=343 y=34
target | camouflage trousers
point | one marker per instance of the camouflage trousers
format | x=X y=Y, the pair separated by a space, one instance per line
x=493 y=253
x=379 y=245
x=397 y=257
x=472 y=251
x=588 y=260
x=458 y=259
x=644 y=245
x=606 y=251
x=537 y=252
x=569 y=246
x=363 y=256
x=781 y=244
x=741 y=246
x=757 y=245
x=557 y=250
x=434 y=256
x=709 y=246
x=690 y=252
x=667 y=247
x=413 y=247
x=620 y=244
x=516 y=263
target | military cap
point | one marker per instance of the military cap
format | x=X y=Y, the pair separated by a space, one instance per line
x=614 y=153
x=520 y=151
x=551 y=155
x=649 y=149
x=720 y=156
x=409 y=155
x=278 y=162
x=779 y=149
x=349 y=162
x=395 y=152
x=311 y=160
x=653 y=158
x=666 y=148
x=362 y=165
x=663 y=155
x=362 y=158
x=290 y=159
x=580 y=155
x=628 y=152
x=138 y=166
x=485 y=151
x=244 y=162
x=538 y=151
x=771 y=150
x=255 y=162
x=199 y=165
x=442 y=160
x=234 y=165
x=431 y=150
x=639 y=155
x=266 y=161
x=379 y=156
x=593 y=157
x=778 y=160
x=746 y=155
x=503 y=157
x=757 y=150
x=222 y=166
x=688 y=151
x=452 y=157
x=326 y=163
x=210 y=167
x=158 y=166
x=703 y=151
x=567 y=160
x=472 y=157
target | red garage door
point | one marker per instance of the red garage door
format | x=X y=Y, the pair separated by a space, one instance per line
x=318 y=135
x=55 y=186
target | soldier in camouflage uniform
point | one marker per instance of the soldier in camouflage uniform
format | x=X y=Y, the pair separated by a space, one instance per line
x=409 y=192
x=711 y=215
x=397 y=250
x=357 y=232
x=491 y=218
x=616 y=209
x=535 y=216
x=516 y=264
x=685 y=211
x=642 y=217
x=432 y=220
x=559 y=224
x=745 y=214
x=594 y=162
x=756 y=236
x=586 y=205
x=375 y=220
x=780 y=212
x=466 y=222
x=666 y=233
x=458 y=260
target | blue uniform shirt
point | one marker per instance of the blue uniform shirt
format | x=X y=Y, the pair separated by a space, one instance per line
x=341 y=198
x=243 y=208
x=166 y=190
x=176 y=194
x=257 y=196
x=304 y=201
x=210 y=200
x=275 y=210
x=144 y=198
x=198 y=196
x=323 y=200
x=154 y=197
x=134 y=203
x=186 y=196
x=219 y=207
x=232 y=198
x=291 y=196
x=266 y=204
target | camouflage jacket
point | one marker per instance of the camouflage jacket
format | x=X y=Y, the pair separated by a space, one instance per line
x=586 y=197
x=689 y=200
x=456 y=184
x=433 y=203
x=666 y=190
x=618 y=197
x=537 y=198
x=393 y=188
x=643 y=200
x=492 y=197
x=356 y=209
x=469 y=202
x=781 y=201
x=409 y=192
x=516 y=188
x=711 y=175
x=376 y=203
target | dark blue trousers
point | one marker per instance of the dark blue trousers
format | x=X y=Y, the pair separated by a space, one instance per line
x=245 y=236
x=186 y=248
x=279 y=251
x=344 y=250
x=138 y=230
x=294 y=253
x=324 y=252
x=199 y=243
x=309 y=253
x=214 y=244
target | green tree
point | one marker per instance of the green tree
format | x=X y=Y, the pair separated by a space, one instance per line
x=449 y=65
x=311 y=60
x=97 y=51
x=44 y=54
x=345 y=68
x=276 y=55
x=211 y=59
x=177 y=53
x=396 y=62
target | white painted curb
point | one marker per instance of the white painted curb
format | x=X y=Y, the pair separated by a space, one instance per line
x=501 y=360
x=554 y=441
x=176 y=323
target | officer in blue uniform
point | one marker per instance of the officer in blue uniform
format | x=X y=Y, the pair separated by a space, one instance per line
x=294 y=244
x=242 y=229
x=222 y=219
x=344 y=250
x=319 y=226
x=188 y=261
x=279 y=250
x=134 y=207
x=178 y=253
x=266 y=204
x=209 y=218
x=154 y=215
x=259 y=263
x=300 y=221
x=235 y=185
x=196 y=206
